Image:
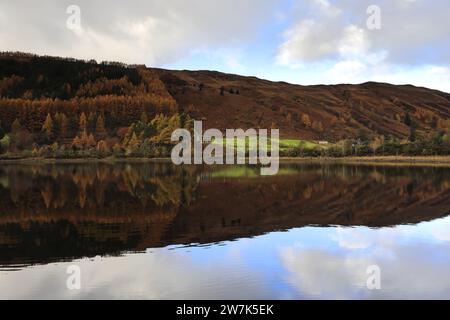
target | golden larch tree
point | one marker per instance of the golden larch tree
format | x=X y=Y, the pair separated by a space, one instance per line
x=83 y=122
x=47 y=127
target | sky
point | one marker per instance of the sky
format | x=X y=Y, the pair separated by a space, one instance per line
x=303 y=263
x=298 y=41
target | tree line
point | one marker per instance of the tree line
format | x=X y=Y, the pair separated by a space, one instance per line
x=62 y=137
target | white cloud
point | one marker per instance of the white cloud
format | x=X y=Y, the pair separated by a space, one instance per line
x=320 y=35
x=154 y=32
x=411 y=32
x=353 y=42
x=301 y=43
x=333 y=38
x=350 y=70
x=328 y=38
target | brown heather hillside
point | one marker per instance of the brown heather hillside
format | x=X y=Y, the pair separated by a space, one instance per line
x=31 y=87
x=308 y=112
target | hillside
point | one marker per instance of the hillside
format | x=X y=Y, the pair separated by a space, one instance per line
x=308 y=112
x=31 y=87
x=48 y=100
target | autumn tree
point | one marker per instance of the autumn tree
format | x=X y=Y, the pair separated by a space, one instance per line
x=317 y=125
x=376 y=143
x=64 y=126
x=54 y=147
x=100 y=127
x=47 y=127
x=85 y=141
x=91 y=141
x=159 y=122
x=306 y=120
x=144 y=117
x=117 y=149
x=164 y=128
x=80 y=142
x=21 y=138
x=102 y=147
x=186 y=122
x=133 y=144
x=56 y=125
x=289 y=118
x=77 y=143
x=16 y=126
x=91 y=122
x=83 y=122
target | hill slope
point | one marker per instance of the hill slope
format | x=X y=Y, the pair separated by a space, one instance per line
x=32 y=86
x=308 y=112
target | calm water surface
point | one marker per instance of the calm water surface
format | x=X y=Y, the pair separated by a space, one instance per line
x=155 y=231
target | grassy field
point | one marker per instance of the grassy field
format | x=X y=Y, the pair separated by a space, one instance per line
x=285 y=144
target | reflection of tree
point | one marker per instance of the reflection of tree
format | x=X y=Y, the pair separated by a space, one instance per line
x=47 y=193
x=99 y=186
x=174 y=190
x=307 y=192
x=82 y=198
x=79 y=210
x=113 y=188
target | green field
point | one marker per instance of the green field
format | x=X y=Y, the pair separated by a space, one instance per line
x=285 y=144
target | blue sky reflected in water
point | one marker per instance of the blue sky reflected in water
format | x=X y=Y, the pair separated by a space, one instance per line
x=305 y=263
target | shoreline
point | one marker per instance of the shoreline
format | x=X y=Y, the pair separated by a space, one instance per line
x=81 y=160
x=376 y=160
x=441 y=161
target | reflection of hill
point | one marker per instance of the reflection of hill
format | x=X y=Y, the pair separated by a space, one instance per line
x=62 y=212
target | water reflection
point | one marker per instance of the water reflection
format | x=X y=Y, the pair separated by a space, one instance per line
x=66 y=213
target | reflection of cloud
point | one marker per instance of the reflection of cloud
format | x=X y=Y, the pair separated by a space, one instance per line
x=363 y=237
x=163 y=274
x=330 y=275
x=321 y=274
x=414 y=263
x=352 y=238
x=441 y=229
x=312 y=263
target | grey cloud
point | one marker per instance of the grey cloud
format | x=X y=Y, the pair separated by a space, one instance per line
x=154 y=32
